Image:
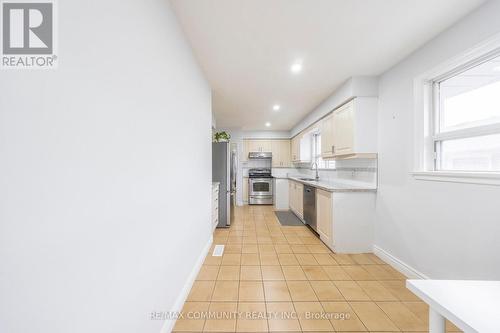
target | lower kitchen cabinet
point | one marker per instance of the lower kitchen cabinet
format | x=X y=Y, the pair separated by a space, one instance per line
x=299 y=192
x=296 y=198
x=324 y=218
x=245 y=190
x=291 y=193
x=215 y=205
x=281 y=194
x=345 y=220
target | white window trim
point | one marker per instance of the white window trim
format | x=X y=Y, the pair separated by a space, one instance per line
x=424 y=90
x=315 y=157
x=492 y=178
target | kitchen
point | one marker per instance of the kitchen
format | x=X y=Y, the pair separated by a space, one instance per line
x=280 y=171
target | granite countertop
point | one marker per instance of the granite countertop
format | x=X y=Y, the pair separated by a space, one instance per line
x=334 y=186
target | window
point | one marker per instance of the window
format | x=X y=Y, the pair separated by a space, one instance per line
x=465 y=118
x=316 y=153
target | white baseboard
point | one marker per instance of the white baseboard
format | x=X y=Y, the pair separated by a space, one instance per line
x=168 y=326
x=398 y=264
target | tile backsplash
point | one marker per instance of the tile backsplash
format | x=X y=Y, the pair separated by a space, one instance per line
x=246 y=165
x=362 y=170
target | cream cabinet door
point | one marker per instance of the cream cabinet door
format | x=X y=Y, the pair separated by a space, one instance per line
x=285 y=153
x=324 y=220
x=245 y=189
x=326 y=129
x=295 y=201
x=265 y=145
x=276 y=151
x=245 y=150
x=281 y=153
x=253 y=146
x=291 y=194
x=259 y=146
x=299 y=191
x=343 y=130
x=305 y=145
x=295 y=145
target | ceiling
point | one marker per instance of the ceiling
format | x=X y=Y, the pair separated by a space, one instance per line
x=246 y=49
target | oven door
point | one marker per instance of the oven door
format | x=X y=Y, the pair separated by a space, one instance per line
x=261 y=186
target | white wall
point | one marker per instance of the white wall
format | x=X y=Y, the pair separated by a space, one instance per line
x=101 y=162
x=444 y=230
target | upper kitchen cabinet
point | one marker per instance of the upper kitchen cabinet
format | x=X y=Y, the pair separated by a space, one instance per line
x=326 y=129
x=301 y=148
x=281 y=153
x=343 y=130
x=245 y=147
x=295 y=144
x=255 y=146
x=351 y=130
x=258 y=146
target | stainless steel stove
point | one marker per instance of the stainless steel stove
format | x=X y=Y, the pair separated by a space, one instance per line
x=260 y=187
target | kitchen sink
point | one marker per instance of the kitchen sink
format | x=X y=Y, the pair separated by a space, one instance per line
x=308 y=179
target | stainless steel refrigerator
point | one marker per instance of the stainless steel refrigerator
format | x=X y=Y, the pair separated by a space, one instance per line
x=224 y=169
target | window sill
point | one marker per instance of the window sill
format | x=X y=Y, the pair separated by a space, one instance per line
x=478 y=178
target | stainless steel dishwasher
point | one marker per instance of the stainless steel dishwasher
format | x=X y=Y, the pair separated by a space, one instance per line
x=310 y=206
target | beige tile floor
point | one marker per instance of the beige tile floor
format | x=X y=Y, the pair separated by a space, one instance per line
x=284 y=279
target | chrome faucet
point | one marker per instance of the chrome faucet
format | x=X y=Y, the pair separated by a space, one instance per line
x=317 y=175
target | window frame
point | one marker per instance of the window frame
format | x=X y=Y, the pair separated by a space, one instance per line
x=324 y=164
x=464 y=133
x=426 y=116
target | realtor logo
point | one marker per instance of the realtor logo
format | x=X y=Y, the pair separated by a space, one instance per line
x=28 y=34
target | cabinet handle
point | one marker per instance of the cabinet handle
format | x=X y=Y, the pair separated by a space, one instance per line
x=333 y=149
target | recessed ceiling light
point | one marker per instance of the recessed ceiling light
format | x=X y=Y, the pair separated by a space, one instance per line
x=296 y=67
x=276 y=107
x=268 y=124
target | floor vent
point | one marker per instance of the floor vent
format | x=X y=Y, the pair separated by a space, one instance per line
x=218 y=251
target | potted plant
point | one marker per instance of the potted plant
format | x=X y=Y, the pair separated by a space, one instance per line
x=221 y=137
